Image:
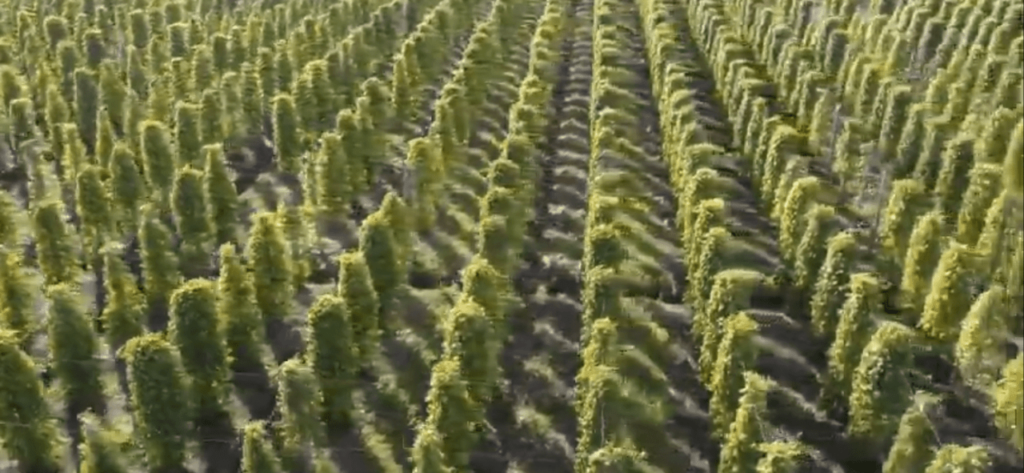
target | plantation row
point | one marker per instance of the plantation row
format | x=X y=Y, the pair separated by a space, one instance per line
x=218 y=328
x=245 y=221
x=809 y=88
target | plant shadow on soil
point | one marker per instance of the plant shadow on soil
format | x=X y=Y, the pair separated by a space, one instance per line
x=542 y=359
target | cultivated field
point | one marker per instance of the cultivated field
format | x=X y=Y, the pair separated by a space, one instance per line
x=523 y=236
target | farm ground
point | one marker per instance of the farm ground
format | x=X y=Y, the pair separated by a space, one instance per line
x=532 y=422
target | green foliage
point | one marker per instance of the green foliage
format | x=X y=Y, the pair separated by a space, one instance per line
x=603 y=403
x=159 y=395
x=186 y=134
x=146 y=138
x=469 y=338
x=159 y=263
x=954 y=177
x=980 y=352
x=402 y=89
x=22 y=121
x=923 y=253
x=94 y=204
x=905 y=205
x=697 y=188
x=333 y=167
x=1008 y=402
x=983 y=189
x=178 y=39
x=853 y=332
x=912 y=139
x=821 y=122
x=123 y=316
x=270 y=263
x=991 y=146
x=10 y=215
x=196 y=331
x=377 y=244
x=54 y=244
x=791 y=174
x=880 y=392
x=830 y=287
x=231 y=121
x=296 y=233
x=813 y=248
x=252 y=100
x=322 y=463
x=29 y=431
x=73 y=157
x=428 y=451
x=136 y=73
x=238 y=313
x=17 y=298
x=158 y=157
x=736 y=354
x=202 y=66
x=1013 y=164
x=1012 y=272
x=897 y=109
x=375 y=142
x=283 y=67
x=794 y=211
x=602 y=298
x=949 y=298
x=451 y=410
x=740 y=451
x=913 y=447
x=86 y=102
x=258 y=456
x=299 y=402
x=74 y=350
x=100 y=451
x=993 y=244
x=331 y=355
x=781 y=146
x=961 y=459
x=351 y=134
x=709 y=213
x=189 y=205
x=615 y=458
x=127 y=187
x=160 y=100
x=493 y=242
x=379 y=103
x=355 y=287
x=213 y=123
x=603 y=246
x=781 y=457
x=105 y=140
x=939 y=131
x=427 y=171
x=849 y=162
x=287 y=138
x=484 y=285
x=713 y=248
x=443 y=130
x=56 y=115
x=394 y=208
x=730 y=293
x=220 y=196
